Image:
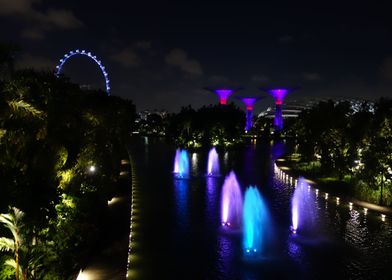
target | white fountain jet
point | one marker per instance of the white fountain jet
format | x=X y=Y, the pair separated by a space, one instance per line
x=213 y=163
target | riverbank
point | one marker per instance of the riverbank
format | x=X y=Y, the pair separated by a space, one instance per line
x=338 y=189
x=110 y=260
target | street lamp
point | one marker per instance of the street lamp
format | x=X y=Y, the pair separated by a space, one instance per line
x=92 y=169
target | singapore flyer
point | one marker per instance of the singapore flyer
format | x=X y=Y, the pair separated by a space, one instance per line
x=89 y=55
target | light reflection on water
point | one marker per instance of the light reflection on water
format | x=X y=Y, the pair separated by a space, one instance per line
x=181 y=191
x=227 y=255
x=212 y=199
x=294 y=250
x=349 y=244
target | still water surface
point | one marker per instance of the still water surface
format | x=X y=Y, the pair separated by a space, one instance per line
x=179 y=234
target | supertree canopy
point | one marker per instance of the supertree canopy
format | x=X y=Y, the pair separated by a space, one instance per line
x=278 y=94
x=249 y=102
x=223 y=93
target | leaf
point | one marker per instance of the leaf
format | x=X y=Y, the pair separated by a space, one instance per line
x=23 y=108
x=7 y=270
x=13 y=222
x=11 y=264
x=7 y=244
x=2 y=133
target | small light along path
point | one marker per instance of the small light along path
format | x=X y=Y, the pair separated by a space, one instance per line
x=108 y=264
x=366 y=206
x=131 y=272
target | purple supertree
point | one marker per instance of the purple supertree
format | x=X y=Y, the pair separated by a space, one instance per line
x=223 y=93
x=278 y=94
x=249 y=102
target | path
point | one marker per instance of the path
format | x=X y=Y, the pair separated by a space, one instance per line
x=110 y=263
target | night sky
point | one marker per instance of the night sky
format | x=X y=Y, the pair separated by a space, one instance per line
x=161 y=54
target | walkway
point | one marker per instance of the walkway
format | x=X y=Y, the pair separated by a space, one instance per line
x=110 y=263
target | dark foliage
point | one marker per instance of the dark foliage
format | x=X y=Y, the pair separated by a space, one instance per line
x=213 y=125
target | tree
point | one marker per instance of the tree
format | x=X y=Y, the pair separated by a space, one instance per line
x=322 y=131
x=377 y=157
x=210 y=125
x=13 y=222
x=26 y=260
x=51 y=132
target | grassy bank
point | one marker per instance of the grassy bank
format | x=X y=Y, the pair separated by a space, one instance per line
x=348 y=185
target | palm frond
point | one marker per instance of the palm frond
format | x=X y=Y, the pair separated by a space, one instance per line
x=7 y=271
x=18 y=214
x=7 y=244
x=13 y=222
x=23 y=108
x=8 y=221
x=11 y=263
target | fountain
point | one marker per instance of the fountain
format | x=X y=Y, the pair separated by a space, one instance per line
x=231 y=202
x=213 y=163
x=256 y=221
x=302 y=208
x=181 y=164
x=177 y=162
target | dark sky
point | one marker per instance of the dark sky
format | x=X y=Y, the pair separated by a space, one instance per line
x=162 y=53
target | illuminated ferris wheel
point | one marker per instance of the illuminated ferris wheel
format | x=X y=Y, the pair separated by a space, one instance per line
x=89 y=55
